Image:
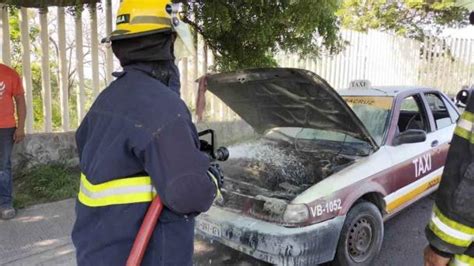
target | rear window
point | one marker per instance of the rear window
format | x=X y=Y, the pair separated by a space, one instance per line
x=439 y=110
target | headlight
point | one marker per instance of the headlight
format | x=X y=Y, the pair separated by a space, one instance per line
x=296 y=213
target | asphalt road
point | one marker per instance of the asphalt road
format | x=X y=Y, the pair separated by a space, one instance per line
x=40 y=235
x=403 y=244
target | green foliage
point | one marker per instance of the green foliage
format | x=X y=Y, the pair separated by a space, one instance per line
x=15 y=38
x=410 y=18
x=248 y=33
x=16 y=56
x=45 y=183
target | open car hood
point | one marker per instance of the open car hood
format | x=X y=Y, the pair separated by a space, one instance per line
x=284 y=97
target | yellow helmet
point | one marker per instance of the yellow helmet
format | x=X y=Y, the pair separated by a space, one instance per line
x=141 y=17
x=137 y=18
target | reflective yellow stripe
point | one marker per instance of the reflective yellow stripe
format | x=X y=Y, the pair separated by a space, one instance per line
x=450 y=231
x=464 y=126
x=453 y=224
x=462 y=260
x=125 y=182
x=465 y=258
x=116 y=192
x=151 y=20
x=447 y=238
x=461 y=132
x=116 y=200
x=468 y=116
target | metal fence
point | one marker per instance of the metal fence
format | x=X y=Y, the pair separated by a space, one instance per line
x=386 y=59
x=74 y=66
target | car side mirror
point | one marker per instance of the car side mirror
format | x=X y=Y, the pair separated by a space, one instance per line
x=410 y=136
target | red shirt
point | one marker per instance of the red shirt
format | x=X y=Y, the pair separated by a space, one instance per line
x=10 y=86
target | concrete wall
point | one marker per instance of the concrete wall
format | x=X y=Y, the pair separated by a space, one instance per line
x=61 y=148
x=45 y=148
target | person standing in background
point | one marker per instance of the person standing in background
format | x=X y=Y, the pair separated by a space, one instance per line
x=12 y=131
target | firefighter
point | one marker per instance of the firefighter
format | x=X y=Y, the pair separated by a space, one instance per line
x=450 y=231
x=138 y=141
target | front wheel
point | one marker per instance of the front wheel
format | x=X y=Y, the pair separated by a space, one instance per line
x=361 y=236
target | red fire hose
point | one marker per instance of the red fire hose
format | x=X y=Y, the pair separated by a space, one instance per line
x=146 y=231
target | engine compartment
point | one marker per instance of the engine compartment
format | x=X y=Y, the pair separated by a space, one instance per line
x=263 y=176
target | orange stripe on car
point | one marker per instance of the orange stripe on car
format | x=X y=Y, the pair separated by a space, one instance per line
x=412 y=194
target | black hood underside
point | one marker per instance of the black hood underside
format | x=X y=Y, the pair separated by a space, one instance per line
x=282 y=97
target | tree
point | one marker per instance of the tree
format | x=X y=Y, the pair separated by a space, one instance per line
x=409 y=18
x=34 y=34
x=248 y=33
x=16 y=57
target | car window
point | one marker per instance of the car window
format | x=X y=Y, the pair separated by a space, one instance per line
x=412 y=115
x=374 y=112
x=410 y=105
x=451 y=109
x=439 y=110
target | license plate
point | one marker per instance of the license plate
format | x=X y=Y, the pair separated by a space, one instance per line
x=209 y=228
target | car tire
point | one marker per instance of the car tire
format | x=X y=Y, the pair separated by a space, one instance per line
x=361 y=236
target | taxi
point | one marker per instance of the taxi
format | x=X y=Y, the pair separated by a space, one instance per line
x=329 y=166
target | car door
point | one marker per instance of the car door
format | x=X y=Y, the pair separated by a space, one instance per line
x=444 y=117
x=413 y=172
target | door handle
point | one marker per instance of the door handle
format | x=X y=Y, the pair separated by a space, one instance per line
x=434 y=143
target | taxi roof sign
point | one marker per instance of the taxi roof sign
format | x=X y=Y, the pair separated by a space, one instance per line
x=360 y=84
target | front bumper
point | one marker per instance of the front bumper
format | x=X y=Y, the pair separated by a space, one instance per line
x=272 y=243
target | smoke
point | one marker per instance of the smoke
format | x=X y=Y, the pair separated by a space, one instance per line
x=266 y=152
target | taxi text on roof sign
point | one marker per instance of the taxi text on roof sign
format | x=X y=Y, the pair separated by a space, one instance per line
x=360 y=83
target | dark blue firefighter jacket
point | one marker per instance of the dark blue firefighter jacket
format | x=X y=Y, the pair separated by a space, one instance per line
x=140 y=125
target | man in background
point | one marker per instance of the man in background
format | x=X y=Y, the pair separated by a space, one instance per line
x=12 y=131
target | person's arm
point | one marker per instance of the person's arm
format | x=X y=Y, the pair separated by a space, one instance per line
x=447 y=239
x=178 y=168
x=450 y=232
x=21 y=114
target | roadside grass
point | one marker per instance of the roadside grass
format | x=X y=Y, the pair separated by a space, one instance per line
x=45 y=183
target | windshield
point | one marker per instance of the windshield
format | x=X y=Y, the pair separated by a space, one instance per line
x=374 y=112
